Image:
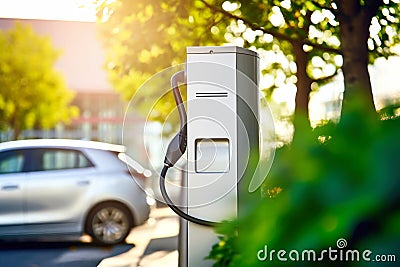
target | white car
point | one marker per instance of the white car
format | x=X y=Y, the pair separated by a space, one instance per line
x=69 y=187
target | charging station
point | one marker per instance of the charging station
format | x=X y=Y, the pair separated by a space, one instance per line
x=221 y=133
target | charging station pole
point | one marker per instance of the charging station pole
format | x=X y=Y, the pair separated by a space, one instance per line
x=222 y=141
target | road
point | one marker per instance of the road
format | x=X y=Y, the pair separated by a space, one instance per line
x=60 y=254
x=152 y=244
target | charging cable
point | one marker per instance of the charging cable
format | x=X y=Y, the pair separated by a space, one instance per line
x=176 y=149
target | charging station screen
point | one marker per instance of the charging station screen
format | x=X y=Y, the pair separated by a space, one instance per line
x=212 y=155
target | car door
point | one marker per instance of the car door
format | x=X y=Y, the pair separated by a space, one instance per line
x=12 y=185
x=57 y=190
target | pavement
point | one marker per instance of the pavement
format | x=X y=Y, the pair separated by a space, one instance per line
x=155 y=243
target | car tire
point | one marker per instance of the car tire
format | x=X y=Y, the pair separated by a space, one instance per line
x=109 y=223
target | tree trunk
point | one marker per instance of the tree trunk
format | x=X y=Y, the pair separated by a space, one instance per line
x=304 y=82
x=15 y=126
x=16 y=134
x=354 y=23
x=301 y=121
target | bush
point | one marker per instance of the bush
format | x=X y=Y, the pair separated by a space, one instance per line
x=336 y=182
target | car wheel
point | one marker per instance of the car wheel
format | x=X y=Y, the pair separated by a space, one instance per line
x=109 y=224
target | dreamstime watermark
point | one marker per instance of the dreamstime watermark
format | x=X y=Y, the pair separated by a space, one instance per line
x=340 y=253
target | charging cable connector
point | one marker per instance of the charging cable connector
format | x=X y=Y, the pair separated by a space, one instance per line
x=176 y=149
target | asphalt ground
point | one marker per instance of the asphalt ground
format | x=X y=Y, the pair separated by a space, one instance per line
x=155 y=243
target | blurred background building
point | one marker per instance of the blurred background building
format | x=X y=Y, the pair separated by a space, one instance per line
x=81 y=63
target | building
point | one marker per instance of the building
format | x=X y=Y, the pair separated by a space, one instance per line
x=82 y=64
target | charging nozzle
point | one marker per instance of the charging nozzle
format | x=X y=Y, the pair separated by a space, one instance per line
x=176 y=149
x=177 y=146
x=177 y=78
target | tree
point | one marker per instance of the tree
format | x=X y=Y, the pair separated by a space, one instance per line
x=148 y=36
x=32 y=93
x=355 y=18
x=321 y=37
x=327 y=190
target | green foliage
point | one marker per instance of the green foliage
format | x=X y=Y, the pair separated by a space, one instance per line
x=386 y=28
x=328 y=181
x=144 y=37
x=340 y=181
x=224 y=252
x=32 y=93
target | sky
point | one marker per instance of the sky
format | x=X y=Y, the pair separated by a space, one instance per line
x=47 y=9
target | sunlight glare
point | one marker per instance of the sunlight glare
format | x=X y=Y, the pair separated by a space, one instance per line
x=317 y=17
x=286 y=4
x=78 y=10
x=276 y=17
x=228 y=6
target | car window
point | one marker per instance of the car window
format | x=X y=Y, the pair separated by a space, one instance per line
x=58 y=159
x=12 y=161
